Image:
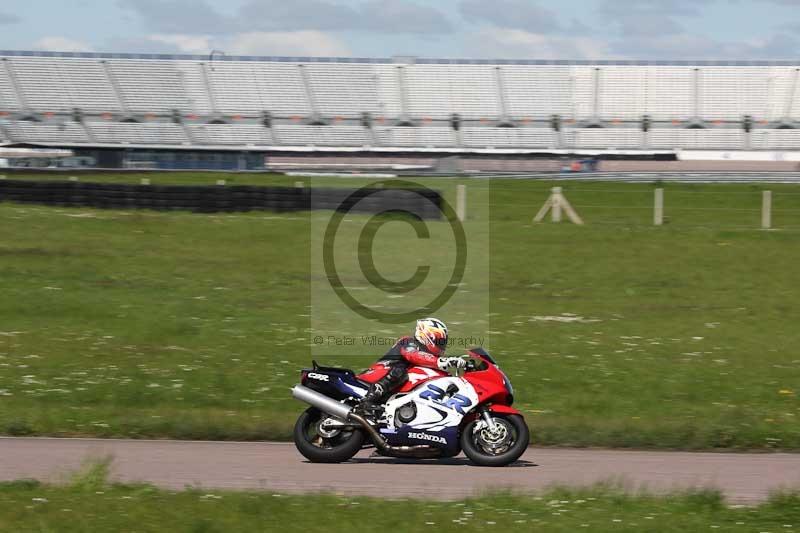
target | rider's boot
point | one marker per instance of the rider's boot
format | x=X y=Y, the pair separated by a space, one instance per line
x=372 y=403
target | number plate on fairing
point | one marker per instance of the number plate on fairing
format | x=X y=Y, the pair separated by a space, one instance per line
x=441 y=403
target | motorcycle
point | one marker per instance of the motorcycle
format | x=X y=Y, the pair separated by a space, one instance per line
x=434 y=414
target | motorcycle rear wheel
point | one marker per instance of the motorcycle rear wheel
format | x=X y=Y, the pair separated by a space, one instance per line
x=478 y=447
x=319 y=449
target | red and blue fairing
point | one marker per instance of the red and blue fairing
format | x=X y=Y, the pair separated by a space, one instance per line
x=338 y=383
x=491 y=384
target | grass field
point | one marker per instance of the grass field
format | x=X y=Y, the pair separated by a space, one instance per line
x=89 y=503
x=617 y=333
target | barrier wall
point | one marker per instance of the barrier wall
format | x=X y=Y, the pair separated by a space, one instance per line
x=424 y=204
x=470 y=163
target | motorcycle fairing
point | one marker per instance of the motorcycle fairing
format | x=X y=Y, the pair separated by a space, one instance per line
x=445 y=439
x=420 y=374
x=441 y=404
x=505 y=409
x=339 y=383
x=416 y=375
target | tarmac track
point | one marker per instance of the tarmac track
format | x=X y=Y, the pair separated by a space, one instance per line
x=744 y=478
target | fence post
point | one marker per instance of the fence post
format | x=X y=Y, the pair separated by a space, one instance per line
x=555 y=203
x=461 y=202
x=658 y=207
x=556 y=209
x=766 y=210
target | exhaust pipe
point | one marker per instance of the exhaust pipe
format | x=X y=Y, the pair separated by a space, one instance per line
x=339 y=410
x=345 y=412
x=321 y=402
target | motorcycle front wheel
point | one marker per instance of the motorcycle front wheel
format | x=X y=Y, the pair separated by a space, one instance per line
x=321 y=445
x=499 y=447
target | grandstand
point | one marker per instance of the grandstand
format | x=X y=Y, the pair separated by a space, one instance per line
x=258 y=104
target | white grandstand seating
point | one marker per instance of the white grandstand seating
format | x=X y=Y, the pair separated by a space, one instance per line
x=388 y=86
x=231 y=134
x=47 y=132
x=426 y=92
x=344 y=90
x=424 y=137
x=733 y=91
x=437 y=91
x=623 y=93
x=476 y=137
x=774 y=102
x=250 y=87
x=794 y=111
x=195 y=86
x=778 y=140
x=582 y=93
x=146 y=133
x=669 y=93
x=731 y=139
x=603 y=138
x=150 y=86
x=236 y=89
x=52 y=85
x=8 y=96
x=322 y=135
x=537 y=92
x=283 y=85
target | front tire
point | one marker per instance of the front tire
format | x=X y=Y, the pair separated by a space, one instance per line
x=500 y=448
x=319 y=446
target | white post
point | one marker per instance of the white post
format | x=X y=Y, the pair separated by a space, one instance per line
x=461 y=202
x=556 y=212
x=766 y=210
x=658 y=207
x=545 y=208
x=555 y=203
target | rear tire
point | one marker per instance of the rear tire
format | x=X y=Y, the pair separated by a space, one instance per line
x=318 y=449
x=475 y=445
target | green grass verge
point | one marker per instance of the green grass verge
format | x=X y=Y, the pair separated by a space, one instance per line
x=89 y=503
x=150 y=324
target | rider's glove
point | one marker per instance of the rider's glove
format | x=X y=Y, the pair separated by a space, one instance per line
x=446 y=363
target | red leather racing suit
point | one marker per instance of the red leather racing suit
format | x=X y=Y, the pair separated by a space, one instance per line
x=391 y=370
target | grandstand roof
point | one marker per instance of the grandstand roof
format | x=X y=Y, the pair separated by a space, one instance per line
x=404 y=59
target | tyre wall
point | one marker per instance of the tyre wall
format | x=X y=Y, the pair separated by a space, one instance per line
x=424 y=204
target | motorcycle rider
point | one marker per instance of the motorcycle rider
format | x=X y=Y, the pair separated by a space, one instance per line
x=425 y=348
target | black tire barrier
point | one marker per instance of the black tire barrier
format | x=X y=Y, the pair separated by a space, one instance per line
x=418 y=203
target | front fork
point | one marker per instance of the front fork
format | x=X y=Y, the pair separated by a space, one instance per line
x=486 y=422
